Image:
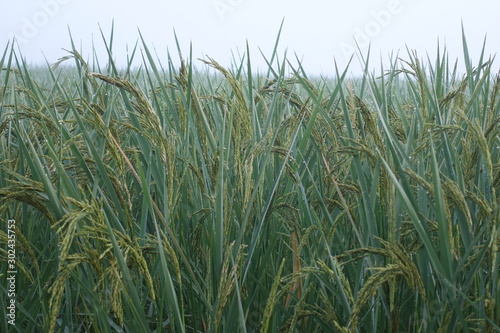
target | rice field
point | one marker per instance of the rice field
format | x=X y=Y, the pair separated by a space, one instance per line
x=183 y=196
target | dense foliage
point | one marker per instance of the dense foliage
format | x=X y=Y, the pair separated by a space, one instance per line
x=207 y=199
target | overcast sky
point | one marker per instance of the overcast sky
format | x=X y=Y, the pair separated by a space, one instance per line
x=319 y=32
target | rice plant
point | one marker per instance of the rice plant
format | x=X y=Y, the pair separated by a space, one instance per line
x=199 y=198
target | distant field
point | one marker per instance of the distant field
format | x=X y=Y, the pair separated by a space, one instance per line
x=169 y=198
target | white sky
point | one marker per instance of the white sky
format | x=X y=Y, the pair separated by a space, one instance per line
x=318 y=31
